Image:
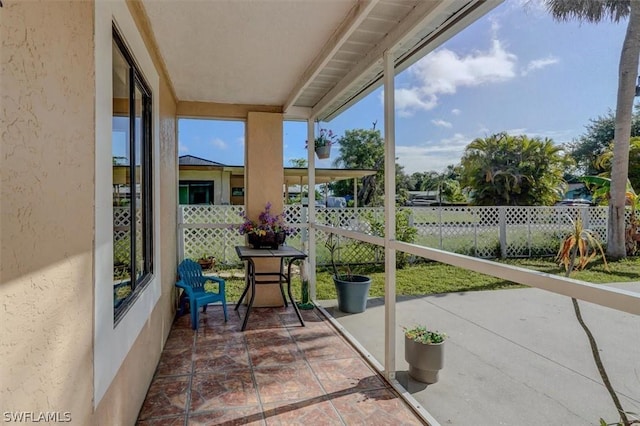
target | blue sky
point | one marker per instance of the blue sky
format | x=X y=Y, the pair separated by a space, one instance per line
x=514 y=70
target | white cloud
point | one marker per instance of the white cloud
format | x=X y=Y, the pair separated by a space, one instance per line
x=219 y=143
x=483 y=130
x=444 y=71
x=456 y=111
x=538 y=64
x=408 y=100
x=442 y=123
x=240 y=141
x=182 y=149
x=558 y=136
x=516 y=131
x=432 y=155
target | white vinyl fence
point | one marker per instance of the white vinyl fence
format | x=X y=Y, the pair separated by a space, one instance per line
x=484 y=232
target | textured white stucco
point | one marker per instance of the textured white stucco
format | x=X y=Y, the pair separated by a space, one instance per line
x=47 y=209
x=46 y=227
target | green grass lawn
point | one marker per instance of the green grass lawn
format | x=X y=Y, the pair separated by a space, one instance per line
x=433 y=277
x=621 y=271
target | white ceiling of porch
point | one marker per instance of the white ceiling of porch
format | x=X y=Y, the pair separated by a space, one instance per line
x=319 y=55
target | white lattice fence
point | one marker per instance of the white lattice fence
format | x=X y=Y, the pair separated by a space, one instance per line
x=207 y=231
x=472 y=231
x=121 y=235
x=485 y=232
x=350 y=251
x=220 y=215
x=522 y=225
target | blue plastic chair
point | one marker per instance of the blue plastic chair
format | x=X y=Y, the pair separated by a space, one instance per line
x=192 y=282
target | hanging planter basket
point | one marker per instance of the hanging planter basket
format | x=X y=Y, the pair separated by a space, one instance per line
x=323 y=152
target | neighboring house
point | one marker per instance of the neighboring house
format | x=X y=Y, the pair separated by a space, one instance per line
x=208 y=182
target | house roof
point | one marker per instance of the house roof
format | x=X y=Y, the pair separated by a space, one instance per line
x=305 y=58
x=190 y=160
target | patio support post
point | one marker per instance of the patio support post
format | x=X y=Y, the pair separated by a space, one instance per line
x=355 y=193
x=311 y=215
x=390 y=217
x=264 y=174
x=180 y=233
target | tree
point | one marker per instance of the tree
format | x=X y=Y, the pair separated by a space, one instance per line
x=362 y=149
x=425 y=181
x=576 y=251
x=596 y=11
x=402 y=185
x=451 y=191
x=298 y=162
x=597 y=139
x=601 y=188
x=513 y=170
x=603 y=162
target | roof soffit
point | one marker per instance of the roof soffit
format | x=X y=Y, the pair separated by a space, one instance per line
x=241 y=52
x=313 y=58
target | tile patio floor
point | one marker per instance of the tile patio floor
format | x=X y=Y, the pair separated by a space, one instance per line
x=274 y=373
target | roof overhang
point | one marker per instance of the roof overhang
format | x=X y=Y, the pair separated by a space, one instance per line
x=293 y=175
x=308 y=59
x=298 y=176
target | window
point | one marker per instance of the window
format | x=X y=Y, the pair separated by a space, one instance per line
x=196 y=192
x=132 y=202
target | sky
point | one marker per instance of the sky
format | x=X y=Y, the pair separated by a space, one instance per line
x=514 y=70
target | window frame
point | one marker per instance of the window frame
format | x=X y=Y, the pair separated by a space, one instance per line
x=137 y=81
x=193 y=183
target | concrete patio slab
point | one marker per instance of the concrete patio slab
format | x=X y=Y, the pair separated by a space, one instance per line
x=513 y=357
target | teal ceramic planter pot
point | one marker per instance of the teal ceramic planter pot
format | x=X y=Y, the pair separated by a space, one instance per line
x=353 y=293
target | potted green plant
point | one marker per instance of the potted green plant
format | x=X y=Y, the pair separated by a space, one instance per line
x=352 y=290
x=323 y=142
x=424 y=351
x=206 y=261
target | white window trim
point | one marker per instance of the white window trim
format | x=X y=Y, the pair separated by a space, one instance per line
x=112 y=344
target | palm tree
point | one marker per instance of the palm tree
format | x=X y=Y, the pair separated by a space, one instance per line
x=596 y=11
x=513 y=170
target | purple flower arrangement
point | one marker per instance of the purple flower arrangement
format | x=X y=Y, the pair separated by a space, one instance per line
x=325 y=138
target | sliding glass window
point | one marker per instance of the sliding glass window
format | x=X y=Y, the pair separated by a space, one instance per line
x=132 y=194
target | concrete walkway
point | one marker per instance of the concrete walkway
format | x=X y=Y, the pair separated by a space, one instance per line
x=513 y=357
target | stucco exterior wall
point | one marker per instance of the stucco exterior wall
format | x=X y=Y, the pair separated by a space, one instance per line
x=125 y=396
x=46 y=226
x=217 y=176
x=236 y=182
x=264 y=177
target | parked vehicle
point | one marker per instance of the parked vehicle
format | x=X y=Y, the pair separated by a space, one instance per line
x=575 y=202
